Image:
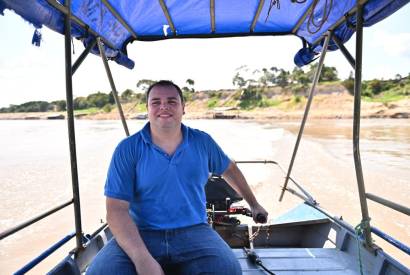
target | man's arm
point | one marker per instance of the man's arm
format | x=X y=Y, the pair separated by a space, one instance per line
x=128 y=238
x=235 y=178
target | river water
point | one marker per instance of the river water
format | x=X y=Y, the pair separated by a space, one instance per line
x=35 y=174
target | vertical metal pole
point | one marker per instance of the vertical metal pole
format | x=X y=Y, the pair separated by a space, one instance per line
x=114 y=90
x=356 y=125
x=302 y=126
x=70 y=124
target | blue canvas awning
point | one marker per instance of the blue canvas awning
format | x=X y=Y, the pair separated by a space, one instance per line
x=120 y=22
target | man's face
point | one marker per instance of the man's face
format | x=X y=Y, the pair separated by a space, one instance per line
x=165 y=108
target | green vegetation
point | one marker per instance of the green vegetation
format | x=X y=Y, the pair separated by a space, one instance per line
x=89 y=111
x=255 y=89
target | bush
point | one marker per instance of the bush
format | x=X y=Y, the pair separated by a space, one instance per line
x=212 y=102
x=107 y=108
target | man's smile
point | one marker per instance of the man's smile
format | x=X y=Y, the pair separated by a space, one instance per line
x=164 y=115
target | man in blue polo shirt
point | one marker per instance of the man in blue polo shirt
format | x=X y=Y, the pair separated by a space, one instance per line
x=156 y=198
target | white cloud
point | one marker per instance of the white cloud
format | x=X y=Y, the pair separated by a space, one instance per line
x=394 y=45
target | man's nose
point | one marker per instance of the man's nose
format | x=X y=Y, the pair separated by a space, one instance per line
x=164 y=106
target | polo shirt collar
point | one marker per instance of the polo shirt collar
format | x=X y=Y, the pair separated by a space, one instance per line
x=146 y=134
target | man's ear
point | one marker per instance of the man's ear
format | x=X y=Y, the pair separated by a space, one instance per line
x=183 y=108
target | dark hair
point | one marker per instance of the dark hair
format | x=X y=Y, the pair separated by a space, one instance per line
x=165 y=83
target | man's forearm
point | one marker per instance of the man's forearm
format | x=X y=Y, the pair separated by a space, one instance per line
x=235 y=178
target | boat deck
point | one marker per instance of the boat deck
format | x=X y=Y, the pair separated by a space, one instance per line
x=300 y=261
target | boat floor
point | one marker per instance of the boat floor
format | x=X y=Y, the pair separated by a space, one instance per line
x=300 y=261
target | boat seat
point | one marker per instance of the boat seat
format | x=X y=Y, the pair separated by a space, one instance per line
x=65 y=267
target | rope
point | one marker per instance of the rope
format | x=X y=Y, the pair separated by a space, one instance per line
x=271 y=4
x=325 y=15
x=254 y=235
x=359 y=230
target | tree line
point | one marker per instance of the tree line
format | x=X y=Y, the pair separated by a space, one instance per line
x=251 y=88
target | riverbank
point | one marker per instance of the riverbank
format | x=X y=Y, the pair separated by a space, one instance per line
x=324 y=106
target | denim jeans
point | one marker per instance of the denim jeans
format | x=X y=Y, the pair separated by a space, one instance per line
x=191 y=250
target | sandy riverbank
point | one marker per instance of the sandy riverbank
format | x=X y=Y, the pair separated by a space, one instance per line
x=323 y=106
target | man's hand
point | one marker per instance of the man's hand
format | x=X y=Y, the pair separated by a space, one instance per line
x=147 y=265
x=256 y=210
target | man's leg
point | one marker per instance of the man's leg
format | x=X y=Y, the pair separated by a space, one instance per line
x=111 y=260
x=200 y=250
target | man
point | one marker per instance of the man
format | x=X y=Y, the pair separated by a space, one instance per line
x=156 y=199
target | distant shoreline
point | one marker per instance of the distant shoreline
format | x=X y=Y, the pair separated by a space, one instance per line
x=334 y=106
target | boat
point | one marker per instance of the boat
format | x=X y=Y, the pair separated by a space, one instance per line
x=305 y=240
x=60 y=116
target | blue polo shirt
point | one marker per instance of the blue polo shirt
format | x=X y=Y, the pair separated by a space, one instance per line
x=164 y=191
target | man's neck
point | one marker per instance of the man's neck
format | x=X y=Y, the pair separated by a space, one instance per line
x=166 y=136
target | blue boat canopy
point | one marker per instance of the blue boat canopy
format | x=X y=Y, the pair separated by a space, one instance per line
x=119 y=22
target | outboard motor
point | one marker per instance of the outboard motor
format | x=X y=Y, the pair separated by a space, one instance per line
x=219 y=199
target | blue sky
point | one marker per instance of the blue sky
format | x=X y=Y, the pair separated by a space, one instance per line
x=37 y=73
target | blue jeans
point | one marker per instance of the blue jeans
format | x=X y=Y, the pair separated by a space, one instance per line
x=191 y=250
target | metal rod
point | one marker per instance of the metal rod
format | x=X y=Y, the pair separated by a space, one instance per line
x=71 y=128
x=212 y=10
x=168 y=16
x=101 y=228
x=306 y=193
x=391 y=240
x=120 y=18
x=257 y=14
x=209 y=35
x=356 y=126
x=341 y=20
x=83 y=55
x=390 y=204
x=257 y=161
x=114 y=90
x=19 y=227
x=78 y=21
x=309 y=102
x=302 y=19
x=44 y=255
x=344 y=51
x=297 y=194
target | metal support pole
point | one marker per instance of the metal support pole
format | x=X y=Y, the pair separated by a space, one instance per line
x=356 y=126
x=23 y=225
x=83 y=55
x=114 y=90
x=309 y=102
x=400 y=208
x=344 y=51
x=71 y=129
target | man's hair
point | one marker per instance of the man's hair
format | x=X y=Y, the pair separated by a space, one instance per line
x=165 y=83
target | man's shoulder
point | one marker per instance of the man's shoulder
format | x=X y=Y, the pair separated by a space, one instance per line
x=131 y=141
x=197 y=134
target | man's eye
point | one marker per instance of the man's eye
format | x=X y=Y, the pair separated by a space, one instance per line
x=155 y=103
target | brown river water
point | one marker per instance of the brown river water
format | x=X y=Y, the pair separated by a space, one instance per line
x=35 y=174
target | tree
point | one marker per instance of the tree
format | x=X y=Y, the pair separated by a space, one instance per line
x=327 y=74
x=282 y=79
x=298 y=76
x=99 y=99
x=128 y=95
x=349 y=83
x=238 y=81
x=80 y=103
x=191 y=84
x=60 y=105
x=144 y=84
